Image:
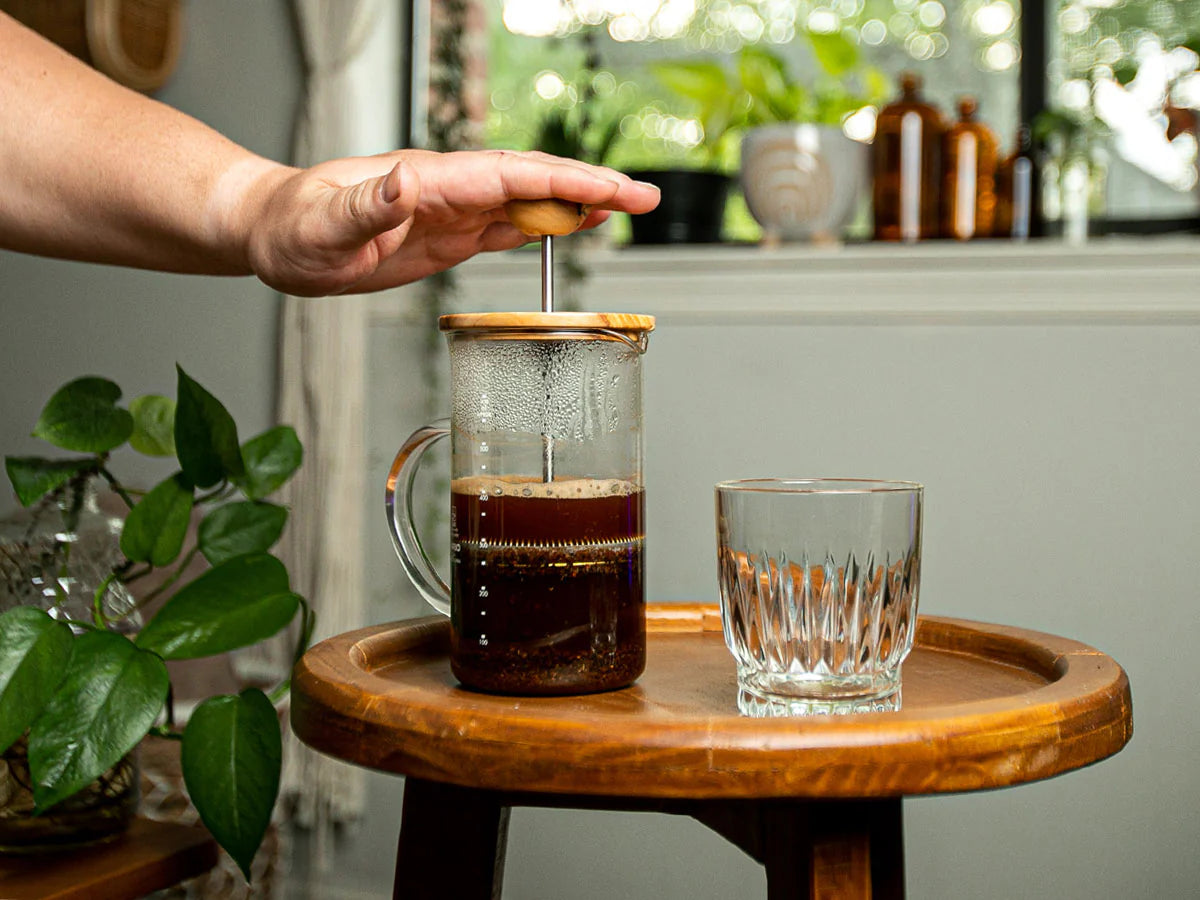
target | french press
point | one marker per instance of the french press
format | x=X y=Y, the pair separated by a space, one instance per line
x=547 y=505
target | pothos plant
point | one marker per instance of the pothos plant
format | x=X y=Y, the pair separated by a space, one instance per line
x=760 y=89
x=84 y=694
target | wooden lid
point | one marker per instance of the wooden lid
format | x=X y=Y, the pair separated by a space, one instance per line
x=543 y=321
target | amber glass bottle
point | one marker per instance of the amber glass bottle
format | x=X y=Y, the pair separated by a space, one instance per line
x=908 y=142
x=969 y=153
x=1016 y=190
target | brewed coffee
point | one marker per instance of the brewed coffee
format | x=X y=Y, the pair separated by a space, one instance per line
x=547 y=584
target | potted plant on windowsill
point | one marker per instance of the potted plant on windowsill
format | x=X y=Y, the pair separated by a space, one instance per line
x=802 y=175
x=80 y=682
x=694 y=182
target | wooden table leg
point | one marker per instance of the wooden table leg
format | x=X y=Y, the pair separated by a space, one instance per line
x=452 y=843
x=818 y=850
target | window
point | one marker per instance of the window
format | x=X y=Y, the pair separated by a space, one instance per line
x=591 y=78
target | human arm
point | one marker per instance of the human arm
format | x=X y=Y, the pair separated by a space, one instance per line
x=92 y=171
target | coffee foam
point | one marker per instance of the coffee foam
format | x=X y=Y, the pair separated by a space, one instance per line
x=560 y=489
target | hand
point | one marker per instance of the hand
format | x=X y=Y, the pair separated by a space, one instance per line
x=362 y=224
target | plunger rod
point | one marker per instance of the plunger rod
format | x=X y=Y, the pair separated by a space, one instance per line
x=547 y=306
x=547 y=218
x=547 y=273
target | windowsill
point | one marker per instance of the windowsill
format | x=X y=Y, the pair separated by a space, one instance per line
x=1115 y=280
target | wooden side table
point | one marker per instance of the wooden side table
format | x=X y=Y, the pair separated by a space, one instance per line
x=817 y=800
x=150 y=856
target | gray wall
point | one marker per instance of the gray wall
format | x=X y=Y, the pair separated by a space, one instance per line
x=239 y=72
x=1046 y=398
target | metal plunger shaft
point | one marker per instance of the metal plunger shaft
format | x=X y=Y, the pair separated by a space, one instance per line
x=547 y=273
x=546 y=218
x=547 y=306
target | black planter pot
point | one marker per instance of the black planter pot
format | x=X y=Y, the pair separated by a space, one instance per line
x=690 y=211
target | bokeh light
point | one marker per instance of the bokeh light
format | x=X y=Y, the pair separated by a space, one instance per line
x=860 y=125
x=1001 y=55
x=901 y=25
x=994 y=18
x=824 y=20
x=1074 y=19
x=873 y=32
x=931 y=13
x=919 y=46
x=535 y=18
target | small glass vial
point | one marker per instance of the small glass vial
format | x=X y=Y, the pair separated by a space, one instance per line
x=1016 y=190
x=969 y=152
x=908 y=142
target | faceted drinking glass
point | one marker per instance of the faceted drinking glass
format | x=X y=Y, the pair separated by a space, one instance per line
x=819 y=581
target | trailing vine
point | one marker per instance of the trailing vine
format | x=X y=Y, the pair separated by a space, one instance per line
x=450 y=127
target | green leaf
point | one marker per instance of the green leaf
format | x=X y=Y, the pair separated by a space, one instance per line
x=32 y=649
x=231 y=756
x=835 y=53
x=108 y=700
x=235 y=604
x=153 y=425
x=700 y=82
x=83 y=416
x=155 y=529
x=236 y=529
x=33 y=478
x=206 y=439
x=774 y=96
x=270 y=460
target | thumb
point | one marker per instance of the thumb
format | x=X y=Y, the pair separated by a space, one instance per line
x=361 y=212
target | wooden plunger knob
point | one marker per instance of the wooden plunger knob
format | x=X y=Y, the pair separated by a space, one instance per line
x=550 y=216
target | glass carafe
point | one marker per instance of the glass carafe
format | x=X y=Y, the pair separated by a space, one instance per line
x=546 y=592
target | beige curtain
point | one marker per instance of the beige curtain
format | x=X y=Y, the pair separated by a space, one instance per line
x=322 y=351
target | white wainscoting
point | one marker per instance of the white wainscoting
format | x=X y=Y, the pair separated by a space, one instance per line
x=1048 y=399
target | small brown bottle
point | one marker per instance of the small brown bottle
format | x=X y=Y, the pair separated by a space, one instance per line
x=1016 y=190
x=908 y=141
x=969 y=152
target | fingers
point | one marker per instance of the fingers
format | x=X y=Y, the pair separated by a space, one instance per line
x=535 y=175
x=486 y=180
x=362 y=211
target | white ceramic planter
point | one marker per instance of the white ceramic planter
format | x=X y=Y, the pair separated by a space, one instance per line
x=803 y=182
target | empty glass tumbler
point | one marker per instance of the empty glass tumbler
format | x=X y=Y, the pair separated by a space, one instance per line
x=819 y=581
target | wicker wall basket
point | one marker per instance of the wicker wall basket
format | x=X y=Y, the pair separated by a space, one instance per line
x=134 y=42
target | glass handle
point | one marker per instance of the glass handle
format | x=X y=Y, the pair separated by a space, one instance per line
x=398 y=500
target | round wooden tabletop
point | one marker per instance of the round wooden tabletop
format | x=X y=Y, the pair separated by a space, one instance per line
x=984 y=706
